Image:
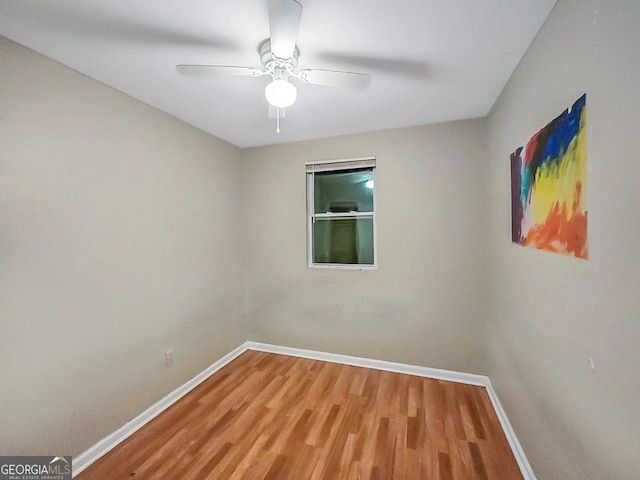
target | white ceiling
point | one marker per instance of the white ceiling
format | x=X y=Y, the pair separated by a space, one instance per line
x=430 y=60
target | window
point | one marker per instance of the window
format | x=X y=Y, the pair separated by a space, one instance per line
x=341 y=222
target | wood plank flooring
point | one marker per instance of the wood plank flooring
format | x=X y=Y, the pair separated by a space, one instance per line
x=267 y=416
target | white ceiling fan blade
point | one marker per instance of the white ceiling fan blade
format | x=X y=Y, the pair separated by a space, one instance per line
x=332 y=78
x=218 y=70
x=284 y=21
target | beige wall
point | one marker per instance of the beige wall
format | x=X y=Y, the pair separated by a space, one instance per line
x=552 y=313
x=426 y=303
x=119 y=239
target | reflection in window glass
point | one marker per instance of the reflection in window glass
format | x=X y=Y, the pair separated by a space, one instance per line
x=344 y=191
x=343 y=241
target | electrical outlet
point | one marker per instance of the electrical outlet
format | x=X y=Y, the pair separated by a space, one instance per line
x=591 y=364
x=168 y=357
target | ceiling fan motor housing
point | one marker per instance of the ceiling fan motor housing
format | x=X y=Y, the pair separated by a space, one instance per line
x=271 y=62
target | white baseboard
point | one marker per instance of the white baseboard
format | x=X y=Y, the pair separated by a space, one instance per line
x=90 y=455
x=93 y=453
x=416 y=370
x=516 y=448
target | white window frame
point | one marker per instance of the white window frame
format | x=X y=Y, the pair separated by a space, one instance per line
x=333 y=166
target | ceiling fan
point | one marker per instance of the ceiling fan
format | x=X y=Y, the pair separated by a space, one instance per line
x=279 y=58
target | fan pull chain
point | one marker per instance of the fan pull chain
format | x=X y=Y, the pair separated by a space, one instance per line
x=277 y=120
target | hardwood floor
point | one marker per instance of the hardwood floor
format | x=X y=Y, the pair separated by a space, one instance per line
x=267 y=416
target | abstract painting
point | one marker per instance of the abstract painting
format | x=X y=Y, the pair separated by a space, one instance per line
x=548 y=178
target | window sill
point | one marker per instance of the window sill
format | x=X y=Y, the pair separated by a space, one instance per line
x=341 y=266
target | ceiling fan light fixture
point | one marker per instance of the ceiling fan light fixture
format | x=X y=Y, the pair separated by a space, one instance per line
x=280 y=93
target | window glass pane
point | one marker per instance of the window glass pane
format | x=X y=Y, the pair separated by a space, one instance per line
x=344 y=191
x=343 y=240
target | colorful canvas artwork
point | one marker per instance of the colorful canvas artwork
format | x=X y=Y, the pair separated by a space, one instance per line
x=548 y=176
